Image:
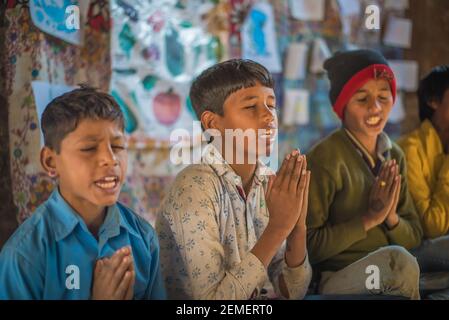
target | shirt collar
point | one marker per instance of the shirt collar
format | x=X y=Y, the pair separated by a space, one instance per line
x=383 y=146
x=114 y=221
x=65 y=219
x=214 y=159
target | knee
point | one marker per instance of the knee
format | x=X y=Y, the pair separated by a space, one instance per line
x=401 y=261
x=403 y=271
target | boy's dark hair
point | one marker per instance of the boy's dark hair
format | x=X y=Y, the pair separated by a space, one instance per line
x=432 y=88
x=214 y=85
x=63 y=114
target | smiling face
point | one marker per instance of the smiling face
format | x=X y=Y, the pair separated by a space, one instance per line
x=368 y=109
x=91 y=164
x=252 y=110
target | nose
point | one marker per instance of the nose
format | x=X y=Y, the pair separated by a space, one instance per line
x=268 y=115
x=108 y=157
x=376 y=106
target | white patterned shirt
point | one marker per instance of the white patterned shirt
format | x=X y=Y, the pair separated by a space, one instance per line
x=206 y=230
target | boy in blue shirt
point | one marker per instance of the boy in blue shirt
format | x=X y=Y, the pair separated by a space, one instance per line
x=81 y=243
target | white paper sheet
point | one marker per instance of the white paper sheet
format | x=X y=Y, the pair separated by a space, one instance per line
x=397 y=4
x=399 y=33
x=349 y=7
x=296 y=107
x=309 y=10
x=296 y=62
x=320 y=53
x=406 y=72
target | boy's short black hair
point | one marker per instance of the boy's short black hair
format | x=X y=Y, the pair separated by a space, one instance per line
x=214 y=85
x=432 y=88
x=63 y=114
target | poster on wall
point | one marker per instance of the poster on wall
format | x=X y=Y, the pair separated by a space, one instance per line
x=157 y=51
x=310 y=10
x=153 y=110
x=259 y=42
x=62 y=19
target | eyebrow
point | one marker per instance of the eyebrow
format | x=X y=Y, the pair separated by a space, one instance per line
x=94 y=138
x=255 y=97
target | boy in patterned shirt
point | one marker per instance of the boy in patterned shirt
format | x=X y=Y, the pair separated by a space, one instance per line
x=223 y=224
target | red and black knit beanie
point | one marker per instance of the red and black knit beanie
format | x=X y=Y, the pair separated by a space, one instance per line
x=349 y=71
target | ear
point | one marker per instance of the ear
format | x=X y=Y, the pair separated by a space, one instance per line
x=210 y=120
x=434 y=104
x=47 y=158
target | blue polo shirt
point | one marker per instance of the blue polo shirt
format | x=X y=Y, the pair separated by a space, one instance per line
x=52 y=254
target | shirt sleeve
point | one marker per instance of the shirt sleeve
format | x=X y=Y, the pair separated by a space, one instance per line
x=326 y=240
x=192 y=254
x=296 y=279
x=19 y=278
x=408 y=233
x=432 y=203
x=156 y=288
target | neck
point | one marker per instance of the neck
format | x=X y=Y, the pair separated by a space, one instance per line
x=245 y=170
x=93 y=216
x=369 y=142
x=246 y=173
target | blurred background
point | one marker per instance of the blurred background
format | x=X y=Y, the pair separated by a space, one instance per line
x=147 y=52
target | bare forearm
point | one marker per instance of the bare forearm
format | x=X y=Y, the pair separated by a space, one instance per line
x=295 y=254
x=296 y=250
x=268 y=245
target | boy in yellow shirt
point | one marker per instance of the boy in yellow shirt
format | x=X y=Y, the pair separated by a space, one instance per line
x=426 y=150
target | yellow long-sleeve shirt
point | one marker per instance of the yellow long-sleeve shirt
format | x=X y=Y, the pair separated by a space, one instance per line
x=428 y=178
